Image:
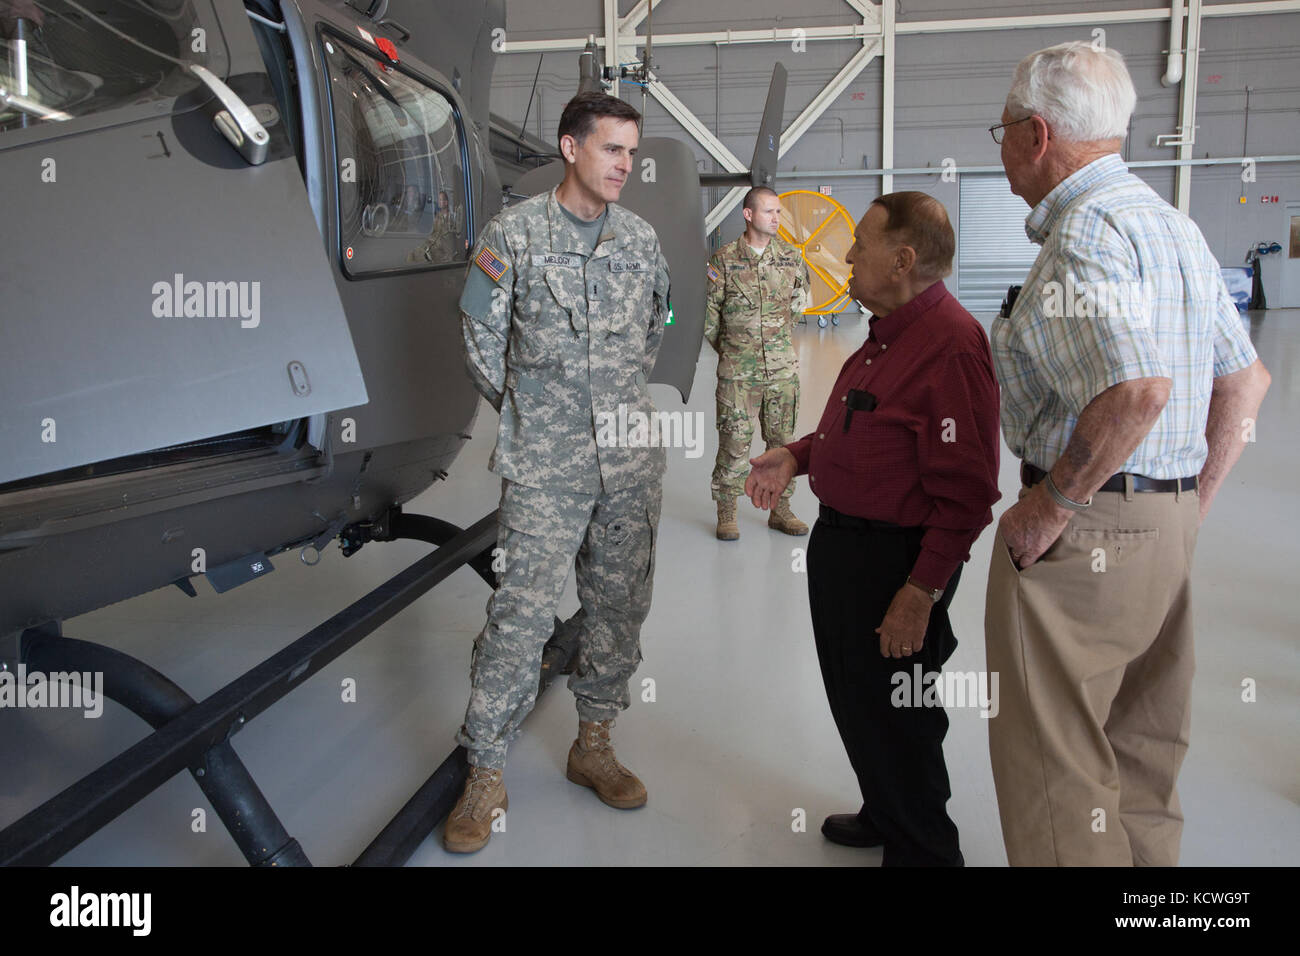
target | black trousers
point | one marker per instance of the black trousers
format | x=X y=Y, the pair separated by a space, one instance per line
x=896 y=752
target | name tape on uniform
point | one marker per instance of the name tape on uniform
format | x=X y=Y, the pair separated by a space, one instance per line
x=575 y=262
x=556 y=259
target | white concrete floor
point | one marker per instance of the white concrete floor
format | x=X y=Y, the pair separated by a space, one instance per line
x=739 y=737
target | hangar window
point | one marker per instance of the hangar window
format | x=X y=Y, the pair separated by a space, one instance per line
x=61 y=60
x=400 y=165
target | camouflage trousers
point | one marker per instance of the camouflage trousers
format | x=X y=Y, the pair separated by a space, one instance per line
x=776 y=403
x=609 y=539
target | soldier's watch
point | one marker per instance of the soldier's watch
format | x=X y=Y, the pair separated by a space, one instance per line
x=935 y=593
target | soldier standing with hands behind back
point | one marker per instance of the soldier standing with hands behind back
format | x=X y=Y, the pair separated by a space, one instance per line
x=757 y=286
x=563 y=312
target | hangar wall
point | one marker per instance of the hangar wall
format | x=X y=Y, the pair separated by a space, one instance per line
x=949 y=89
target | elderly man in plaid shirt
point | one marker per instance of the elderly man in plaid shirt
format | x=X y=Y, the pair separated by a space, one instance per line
x=1128 y=389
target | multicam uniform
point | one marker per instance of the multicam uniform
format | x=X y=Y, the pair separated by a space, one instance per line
x=557 y=335
x=443 y=241
x=752 y=305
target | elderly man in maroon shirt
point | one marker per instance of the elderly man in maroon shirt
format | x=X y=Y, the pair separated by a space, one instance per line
x=905 y=463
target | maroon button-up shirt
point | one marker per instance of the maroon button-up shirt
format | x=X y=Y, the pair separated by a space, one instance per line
x=928 y=454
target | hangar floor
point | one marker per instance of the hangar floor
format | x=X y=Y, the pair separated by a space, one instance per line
x=738 y=738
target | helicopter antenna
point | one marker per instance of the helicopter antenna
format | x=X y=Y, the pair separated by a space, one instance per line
x=645 y=58
x=523 y=128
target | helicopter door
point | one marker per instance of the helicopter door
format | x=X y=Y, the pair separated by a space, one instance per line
x=163 y=280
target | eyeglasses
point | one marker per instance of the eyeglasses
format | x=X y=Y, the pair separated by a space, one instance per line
x=995 y=131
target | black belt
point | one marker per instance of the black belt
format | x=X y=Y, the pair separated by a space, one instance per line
x=1031 y=476
x=838 y=519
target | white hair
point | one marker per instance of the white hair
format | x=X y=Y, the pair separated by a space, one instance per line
x=1084 y=93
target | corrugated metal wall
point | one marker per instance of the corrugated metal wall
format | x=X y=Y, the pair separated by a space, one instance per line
x=993 y=251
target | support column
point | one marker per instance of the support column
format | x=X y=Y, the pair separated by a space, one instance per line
x=1187 y=108
x=887 y=25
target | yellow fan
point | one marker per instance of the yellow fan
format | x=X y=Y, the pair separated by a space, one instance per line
x=822 y=229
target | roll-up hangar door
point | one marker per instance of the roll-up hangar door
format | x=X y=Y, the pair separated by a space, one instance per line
x=993 y=251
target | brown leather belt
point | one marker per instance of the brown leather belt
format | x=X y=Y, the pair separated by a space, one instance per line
x=1031 y=475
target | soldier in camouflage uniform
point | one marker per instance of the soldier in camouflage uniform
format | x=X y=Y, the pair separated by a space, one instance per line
x=563 y=311
x=443 y=238
x=758 y=286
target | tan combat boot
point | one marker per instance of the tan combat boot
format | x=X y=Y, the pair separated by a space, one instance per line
x=728 y=530
x=469 y=825
x=783 y=519
x=592 y=764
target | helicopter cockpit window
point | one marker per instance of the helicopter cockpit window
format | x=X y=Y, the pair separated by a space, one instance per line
x=63 y=59
x=401 y=176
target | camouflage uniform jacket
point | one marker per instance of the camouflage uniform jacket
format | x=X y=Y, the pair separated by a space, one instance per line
x=751 y=307
x=558 y=335
x=441 y=243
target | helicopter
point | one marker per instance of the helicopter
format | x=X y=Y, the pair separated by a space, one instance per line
x=231 y=332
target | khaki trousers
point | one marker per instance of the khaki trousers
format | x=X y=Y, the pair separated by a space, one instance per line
x=1093 y=648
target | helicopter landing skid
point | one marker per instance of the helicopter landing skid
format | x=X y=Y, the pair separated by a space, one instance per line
x=196 y=736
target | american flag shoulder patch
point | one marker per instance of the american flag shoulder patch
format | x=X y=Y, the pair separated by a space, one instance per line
x=714 y=274
x=491 y=263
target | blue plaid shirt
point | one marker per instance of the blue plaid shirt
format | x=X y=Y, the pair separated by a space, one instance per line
x=1124 y=287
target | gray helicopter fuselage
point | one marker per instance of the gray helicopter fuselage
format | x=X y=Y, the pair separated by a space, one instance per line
x=205 y=361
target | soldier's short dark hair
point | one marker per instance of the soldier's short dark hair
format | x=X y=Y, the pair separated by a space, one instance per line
x=580 y=114
x=920 y=221
x=752 y=197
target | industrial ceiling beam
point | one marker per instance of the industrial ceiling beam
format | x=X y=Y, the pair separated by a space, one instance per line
x=1036 y=22
x=1240 y=9
x=869 y=12
x=629 y=23
x=877 y=31
x=813 y=111
x=695 y=126
x=816 y=174
x=1099 y=18
x=804 y=121
x=801 y=124
x=871 y=27
x=852 y=31
x=719 y=212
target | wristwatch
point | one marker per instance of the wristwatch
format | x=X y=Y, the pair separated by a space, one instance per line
x=935 y=593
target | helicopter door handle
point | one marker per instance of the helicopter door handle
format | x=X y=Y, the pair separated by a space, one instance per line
x=236 y=122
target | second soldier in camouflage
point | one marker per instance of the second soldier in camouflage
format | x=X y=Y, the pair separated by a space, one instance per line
x=758 y=286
